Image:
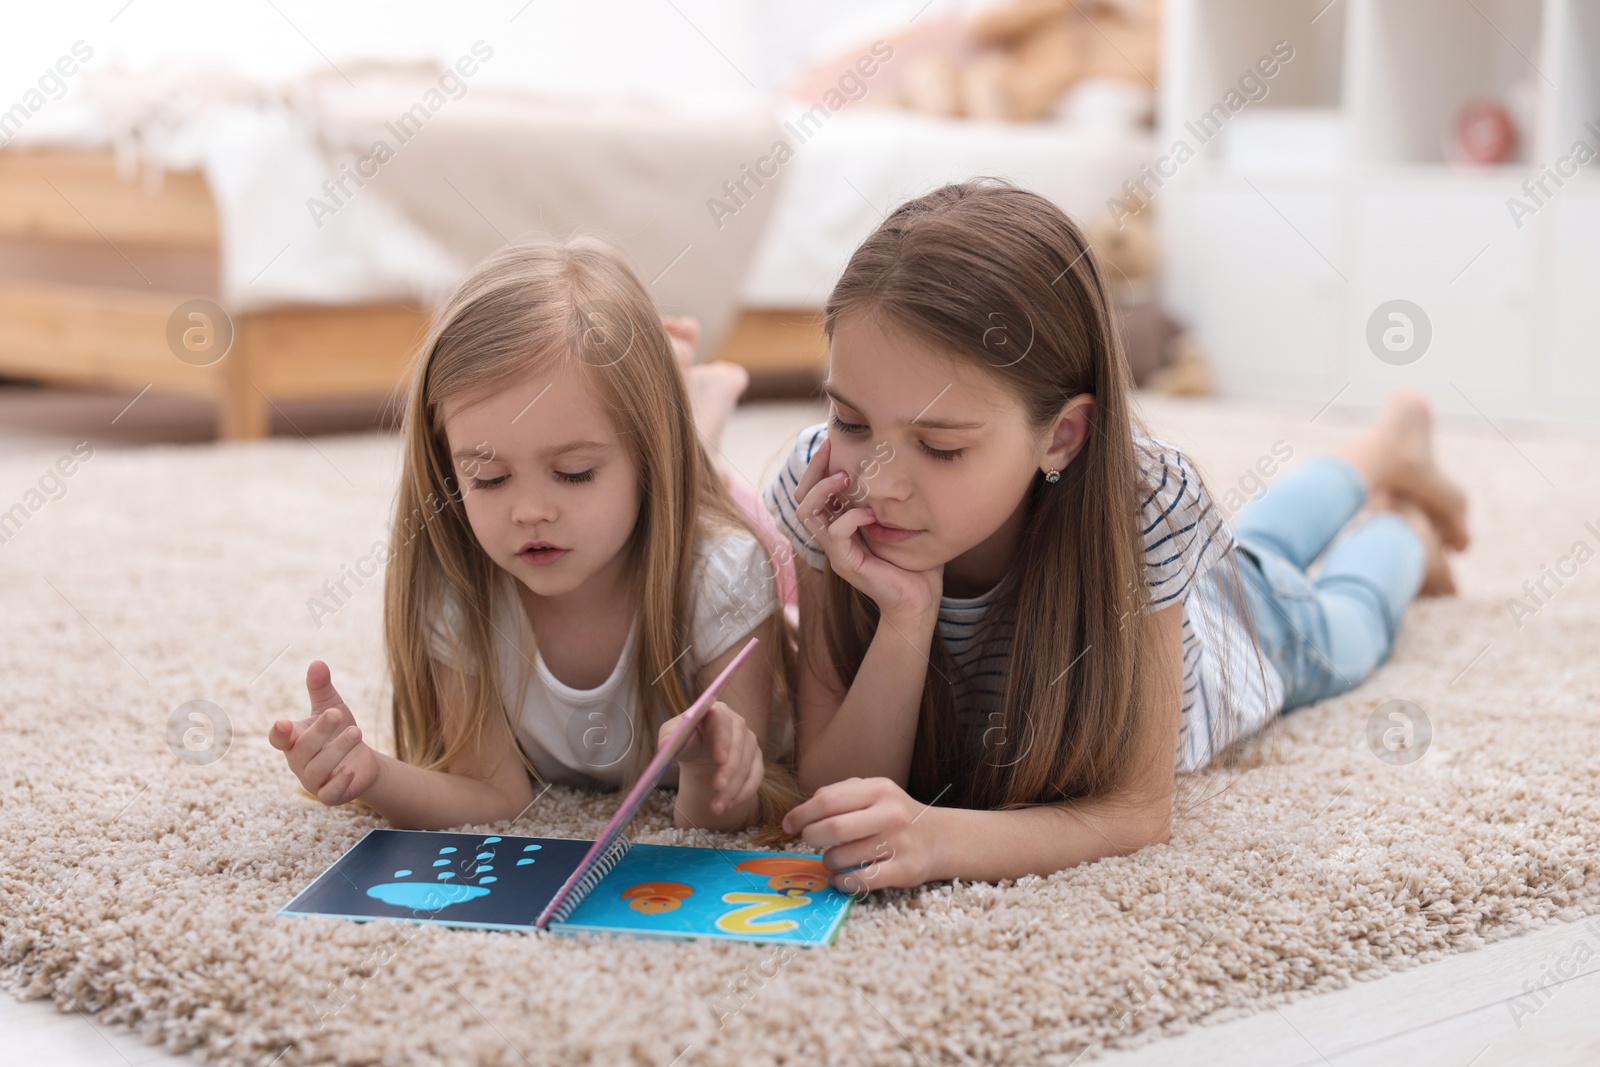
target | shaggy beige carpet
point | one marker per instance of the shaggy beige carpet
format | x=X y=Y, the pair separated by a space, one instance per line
x=143 y=889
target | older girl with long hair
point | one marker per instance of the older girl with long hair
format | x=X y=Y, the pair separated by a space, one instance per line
x=1021 y=616
x=565 y=571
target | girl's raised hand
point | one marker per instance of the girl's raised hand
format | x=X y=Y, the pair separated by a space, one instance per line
x=873 y=825
x=325 y=749
x=723 y=751
x=834 y=521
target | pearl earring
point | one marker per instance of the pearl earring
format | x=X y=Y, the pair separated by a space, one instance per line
x=1052 y=477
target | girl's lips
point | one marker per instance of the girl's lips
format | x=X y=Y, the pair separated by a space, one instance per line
x=889 y=535
x=542 y=557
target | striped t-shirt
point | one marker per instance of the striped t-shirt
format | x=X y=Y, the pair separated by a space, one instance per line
x=1185 y=536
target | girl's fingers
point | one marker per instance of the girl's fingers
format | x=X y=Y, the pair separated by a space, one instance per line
x=886 y=872
x=316 y=738
x=859 y=825
x=752 y=781
x=281 y=736
x=321 y=767
x=724 y=733
x=693 y=748
x=285 y=733
x=719 y=734
x=848 y=553
x=843 y=528
x=836 y=799
x=298 y=727
x=734 y=765
x=743 y=778
x=737 y=755
x=669 y=730
x=333 y=790
x=818 y=508
x=318 y=734
x=855 y=853
x=319 y=685
x=815 y=470
x=834 y=530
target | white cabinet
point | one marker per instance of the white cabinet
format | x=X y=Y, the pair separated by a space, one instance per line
x=1571 y=372
x=1454 y=255
x=1261 y=249
x=1278 y=256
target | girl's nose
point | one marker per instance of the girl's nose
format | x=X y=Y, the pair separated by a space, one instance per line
x=532 y=509
x=886 y=483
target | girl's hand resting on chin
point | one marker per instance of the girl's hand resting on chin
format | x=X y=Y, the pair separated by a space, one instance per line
x=723 y=752
x=870 y=821
x=835 y=521
x=325 y=749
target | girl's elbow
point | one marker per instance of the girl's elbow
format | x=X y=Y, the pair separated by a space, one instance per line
x=1137 y=827
x=1147 y=816
x=1153 y=827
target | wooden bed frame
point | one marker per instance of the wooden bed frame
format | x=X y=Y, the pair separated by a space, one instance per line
x=92 y=267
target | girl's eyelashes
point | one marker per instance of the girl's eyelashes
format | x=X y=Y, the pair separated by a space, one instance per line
x=572 y=478
x=943 y=455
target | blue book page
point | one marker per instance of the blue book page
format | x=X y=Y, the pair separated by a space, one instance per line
x=671 y=891
x=472 y=880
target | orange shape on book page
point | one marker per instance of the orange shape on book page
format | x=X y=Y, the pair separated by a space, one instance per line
x=790 y=874
x=653 y=898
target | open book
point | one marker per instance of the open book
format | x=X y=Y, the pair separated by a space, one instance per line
x=506 y=883
x=565 y=885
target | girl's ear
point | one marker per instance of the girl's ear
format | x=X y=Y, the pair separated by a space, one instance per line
x=1074 y=424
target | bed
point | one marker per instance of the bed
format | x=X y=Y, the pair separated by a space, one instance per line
x=133 y=227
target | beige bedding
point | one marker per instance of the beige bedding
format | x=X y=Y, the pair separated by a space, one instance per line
x=388 y=183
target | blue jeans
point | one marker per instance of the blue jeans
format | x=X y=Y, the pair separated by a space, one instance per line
x=1325 y=634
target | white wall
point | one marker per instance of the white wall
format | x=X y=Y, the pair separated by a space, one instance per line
x=722 y=48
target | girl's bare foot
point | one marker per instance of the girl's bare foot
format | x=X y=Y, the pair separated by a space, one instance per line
x=1395 y=458
x=714 y=388
x=1437 y=580
x=714 y=391
x=684 y=333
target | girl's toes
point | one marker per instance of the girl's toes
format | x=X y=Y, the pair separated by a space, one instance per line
x=1446 y=513
x=1455 y=533
x=1446 y=505
x=1436 y=577
x=1438 y=580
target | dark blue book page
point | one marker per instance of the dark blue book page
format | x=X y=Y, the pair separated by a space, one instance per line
x=473 y=880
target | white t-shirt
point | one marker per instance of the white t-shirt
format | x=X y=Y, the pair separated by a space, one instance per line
x=1184 y=537
x=581 y=737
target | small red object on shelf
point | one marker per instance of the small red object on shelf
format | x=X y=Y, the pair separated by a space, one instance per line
x=1484 y=133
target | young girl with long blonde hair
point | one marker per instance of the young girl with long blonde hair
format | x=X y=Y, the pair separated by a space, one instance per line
x=566 y=570
x=1020 y=615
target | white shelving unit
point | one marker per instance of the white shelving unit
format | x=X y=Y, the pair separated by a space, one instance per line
x=1333 y=191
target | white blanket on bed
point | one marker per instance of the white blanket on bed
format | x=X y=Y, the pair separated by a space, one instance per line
x=864 y=162
x=464 y=169
x=479 y=166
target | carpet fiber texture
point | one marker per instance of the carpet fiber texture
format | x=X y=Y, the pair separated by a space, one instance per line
x=143 y=889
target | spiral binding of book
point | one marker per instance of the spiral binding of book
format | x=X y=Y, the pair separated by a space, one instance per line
x=604 y=854
x=578 y=893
